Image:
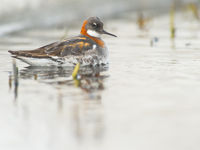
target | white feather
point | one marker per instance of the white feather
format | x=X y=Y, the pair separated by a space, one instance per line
x=93 y=33
x=94 y=47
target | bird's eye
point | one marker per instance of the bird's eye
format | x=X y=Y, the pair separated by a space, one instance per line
x=94 y=25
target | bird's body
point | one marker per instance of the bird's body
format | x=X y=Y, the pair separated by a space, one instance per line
x=87 y=49
x=66 y=52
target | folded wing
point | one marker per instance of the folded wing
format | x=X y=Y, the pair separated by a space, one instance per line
x=74 y=46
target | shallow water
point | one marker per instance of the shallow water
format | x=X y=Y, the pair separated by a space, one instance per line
x=148 y=98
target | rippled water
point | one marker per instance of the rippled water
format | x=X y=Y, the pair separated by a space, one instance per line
x=148 y=98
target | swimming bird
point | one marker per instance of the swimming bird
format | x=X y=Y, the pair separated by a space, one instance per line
x=87 y=48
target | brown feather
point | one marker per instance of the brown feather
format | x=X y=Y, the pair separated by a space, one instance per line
x=73 y=46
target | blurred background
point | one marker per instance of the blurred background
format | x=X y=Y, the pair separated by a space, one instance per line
x=20 y=14
x=146 y=99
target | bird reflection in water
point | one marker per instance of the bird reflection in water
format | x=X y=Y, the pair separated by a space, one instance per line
x=88 y=116
x=86 y=119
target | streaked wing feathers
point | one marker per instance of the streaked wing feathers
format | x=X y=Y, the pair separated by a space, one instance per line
x=74 y=46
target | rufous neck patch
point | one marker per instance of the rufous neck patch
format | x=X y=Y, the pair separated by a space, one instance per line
x=84 y=32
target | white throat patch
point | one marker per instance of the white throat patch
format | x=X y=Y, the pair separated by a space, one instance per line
x=93 y=33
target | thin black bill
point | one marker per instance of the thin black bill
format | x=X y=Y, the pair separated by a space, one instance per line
x=105 y=32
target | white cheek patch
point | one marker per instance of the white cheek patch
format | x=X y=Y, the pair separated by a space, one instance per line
x=93 y=33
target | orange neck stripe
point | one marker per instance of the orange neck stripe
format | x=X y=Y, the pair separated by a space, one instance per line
x=84 y=32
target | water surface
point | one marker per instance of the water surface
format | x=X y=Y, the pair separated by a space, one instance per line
x=148 y=98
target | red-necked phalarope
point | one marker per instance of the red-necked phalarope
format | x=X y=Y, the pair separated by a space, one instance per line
x=87 y=49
